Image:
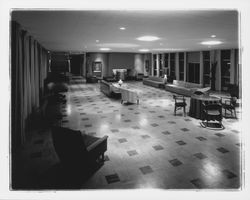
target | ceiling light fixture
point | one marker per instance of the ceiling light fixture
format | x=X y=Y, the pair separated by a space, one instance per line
x=144 y=50
x=105 y=49
x=168 y=49
x=213 y=36
x=122 y=28
x=148 y=38
x=97 y=40
x=211 y=42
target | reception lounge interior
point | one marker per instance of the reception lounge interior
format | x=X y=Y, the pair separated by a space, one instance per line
x=125 y=100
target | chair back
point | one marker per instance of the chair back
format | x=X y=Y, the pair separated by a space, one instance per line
x=69 y=145
x=212 y=106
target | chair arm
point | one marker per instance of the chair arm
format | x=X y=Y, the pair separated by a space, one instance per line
x=96 y=143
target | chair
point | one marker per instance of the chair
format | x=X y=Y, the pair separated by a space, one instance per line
x=180 y=102
x=77 y=150
x=229 y=103
x=212 y=111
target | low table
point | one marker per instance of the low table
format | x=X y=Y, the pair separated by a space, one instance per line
x=128 y=94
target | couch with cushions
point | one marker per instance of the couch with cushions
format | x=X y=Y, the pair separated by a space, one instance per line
x=183 y=88
x=76 y=150
x=154 y=81
x=106 y=88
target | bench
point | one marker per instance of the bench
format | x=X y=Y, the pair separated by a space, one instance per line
x=182 y=87
x=154 y=81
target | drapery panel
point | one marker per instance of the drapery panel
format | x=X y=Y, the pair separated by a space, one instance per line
x=29 y=67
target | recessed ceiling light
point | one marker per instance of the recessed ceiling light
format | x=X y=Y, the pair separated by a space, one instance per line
x=148 y=38
x=213 y=36
x=212 y=42
x=143 y=50
x=122 y=28
x=105 y=49
x=167 y=49
x=97 y=40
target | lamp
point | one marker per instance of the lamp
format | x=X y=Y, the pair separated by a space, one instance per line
x=120 y=82
x=165 y=78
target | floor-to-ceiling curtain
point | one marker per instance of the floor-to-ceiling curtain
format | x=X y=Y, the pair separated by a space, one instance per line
x=29 y=66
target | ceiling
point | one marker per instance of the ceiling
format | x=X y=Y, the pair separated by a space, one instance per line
x=179 y=30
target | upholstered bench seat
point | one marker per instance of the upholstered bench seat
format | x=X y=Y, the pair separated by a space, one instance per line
x=182 y=88
x=154 y=81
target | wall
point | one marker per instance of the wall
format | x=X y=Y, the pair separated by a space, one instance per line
x=112 y=61
x=97 y=57
x=120 y=61
x=193 y=57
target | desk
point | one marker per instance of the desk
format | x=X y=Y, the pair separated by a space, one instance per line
x=196 y=107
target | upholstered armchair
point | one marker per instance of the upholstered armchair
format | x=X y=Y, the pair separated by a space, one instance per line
x=77 y=150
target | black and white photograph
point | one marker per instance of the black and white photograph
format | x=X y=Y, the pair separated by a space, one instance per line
x=125 y=100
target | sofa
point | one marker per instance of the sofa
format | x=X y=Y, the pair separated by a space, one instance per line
x=77 y=150
x=182 y=87
x=154 y=81
x=106 y=88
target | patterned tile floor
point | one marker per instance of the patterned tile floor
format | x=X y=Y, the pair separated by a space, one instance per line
x=148 y=147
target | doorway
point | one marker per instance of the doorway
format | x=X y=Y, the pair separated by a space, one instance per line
x=76 y=64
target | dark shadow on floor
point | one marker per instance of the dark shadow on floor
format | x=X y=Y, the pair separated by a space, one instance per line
x=61 y=177
x=57 y=177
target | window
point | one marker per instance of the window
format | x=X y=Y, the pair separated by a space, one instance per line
x=181 y=66
x=193 y=73
x=225 y=69
x=154 y=65
x=206 y=71
x=172 y=65
x=160 y=65
x=193 y=67
x=166 y=67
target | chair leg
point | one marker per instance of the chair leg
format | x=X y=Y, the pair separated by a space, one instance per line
x=184 y=109
x=175 y=110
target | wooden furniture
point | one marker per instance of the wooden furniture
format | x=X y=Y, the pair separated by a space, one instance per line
x=180 y=102
x=229 y=104
x=212 y=111
x=197 y=107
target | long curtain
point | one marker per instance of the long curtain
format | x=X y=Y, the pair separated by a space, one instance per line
x=29 y=67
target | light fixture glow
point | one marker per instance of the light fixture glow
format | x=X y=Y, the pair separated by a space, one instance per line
x=213 y=36
x=144 y=50
x=105 y=49
x=167 y=49
x=97 y=40
x=148 y=38
x=212 y=42
x=122 y=28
